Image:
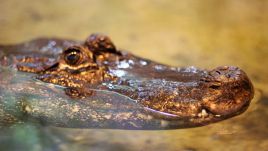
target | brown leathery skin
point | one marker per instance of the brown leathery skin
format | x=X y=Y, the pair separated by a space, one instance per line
x=197 y=96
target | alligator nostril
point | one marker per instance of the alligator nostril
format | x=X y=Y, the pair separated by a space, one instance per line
x=218 y=72
x=228 y=75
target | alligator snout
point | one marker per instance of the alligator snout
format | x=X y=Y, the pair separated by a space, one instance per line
x=229 y=91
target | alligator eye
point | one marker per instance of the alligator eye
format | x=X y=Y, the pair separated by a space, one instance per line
x=72 y=56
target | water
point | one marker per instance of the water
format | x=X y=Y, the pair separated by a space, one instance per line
x=180 y=33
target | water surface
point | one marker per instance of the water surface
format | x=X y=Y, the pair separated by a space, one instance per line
x=204 y=33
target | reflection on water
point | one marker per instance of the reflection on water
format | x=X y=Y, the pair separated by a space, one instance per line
x=201 y=33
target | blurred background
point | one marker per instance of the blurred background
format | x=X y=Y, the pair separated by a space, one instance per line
x=205 y=34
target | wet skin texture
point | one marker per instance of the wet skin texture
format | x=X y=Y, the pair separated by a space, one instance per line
x=204 y=96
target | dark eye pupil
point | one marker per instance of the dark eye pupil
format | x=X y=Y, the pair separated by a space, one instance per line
x=72 y=58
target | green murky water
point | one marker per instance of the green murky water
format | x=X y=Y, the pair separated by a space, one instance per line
x=204 y=33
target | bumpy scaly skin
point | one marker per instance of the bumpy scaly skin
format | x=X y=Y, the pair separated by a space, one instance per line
x=204 y=96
